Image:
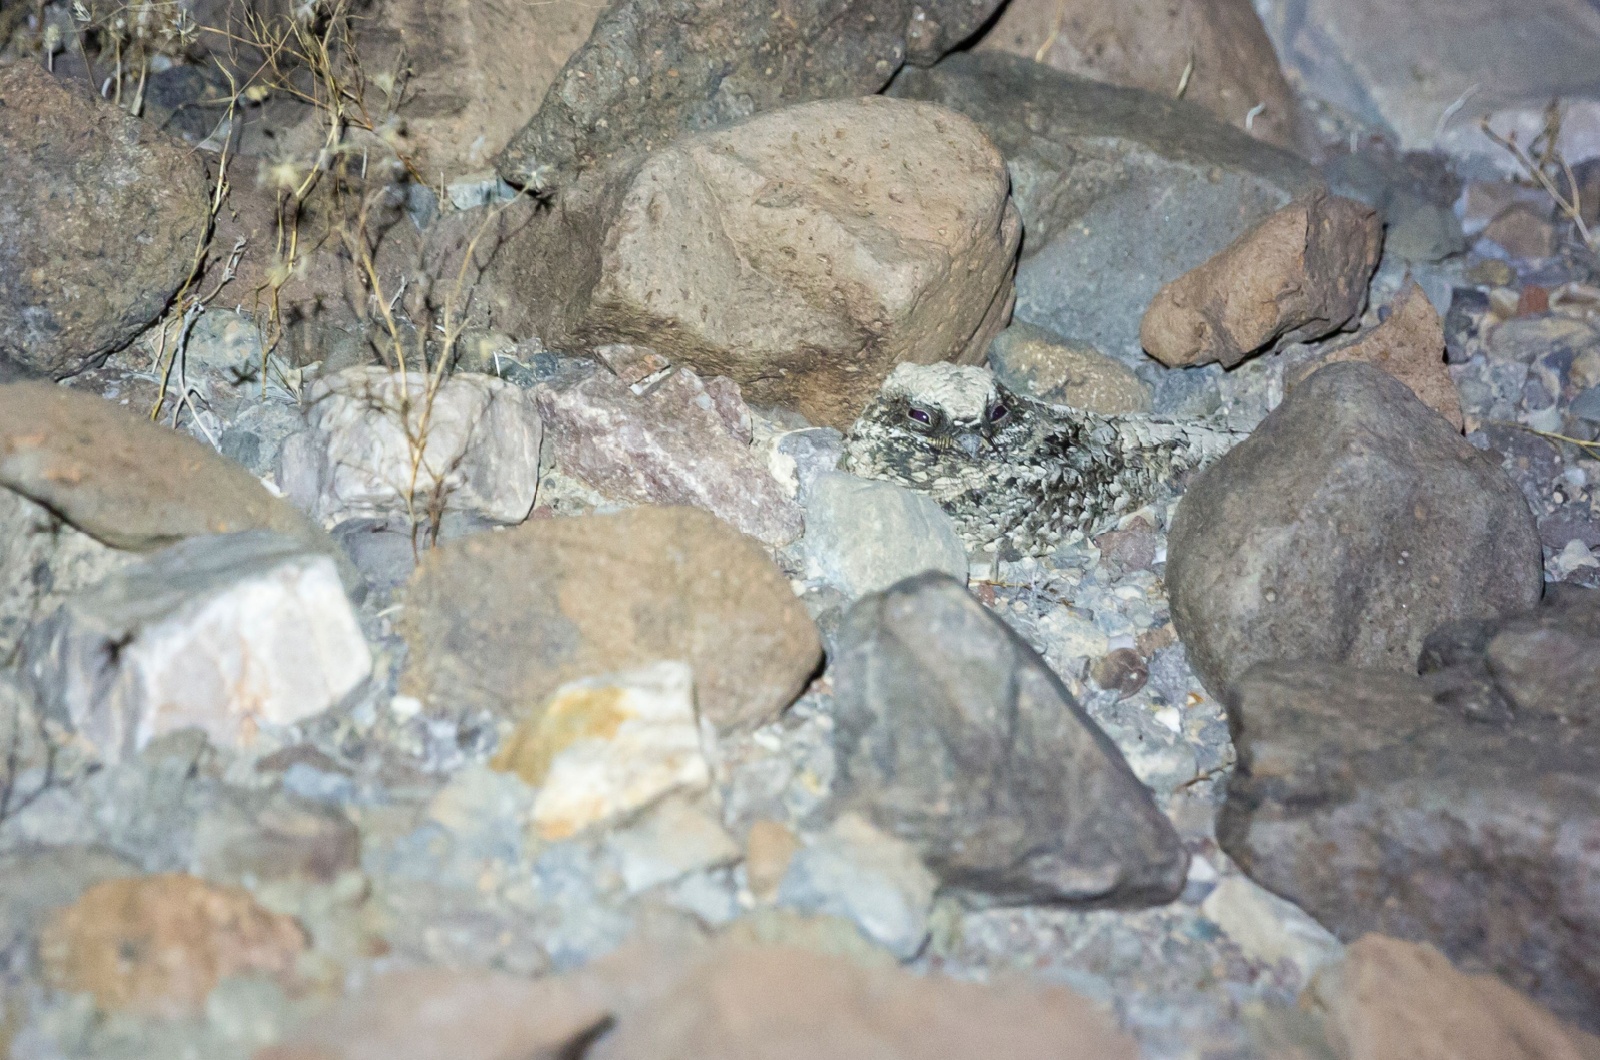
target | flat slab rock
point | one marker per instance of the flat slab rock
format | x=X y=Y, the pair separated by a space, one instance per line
x=102 y=216
x=1391 y=803
x=499 y=621
x=954 y=735
x=1349 y=524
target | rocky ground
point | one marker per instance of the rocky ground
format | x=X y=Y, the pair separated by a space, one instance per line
x=439 y=617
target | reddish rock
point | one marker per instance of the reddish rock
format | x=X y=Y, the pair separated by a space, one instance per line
x=1300 y=274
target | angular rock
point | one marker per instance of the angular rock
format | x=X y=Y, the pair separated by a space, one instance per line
x=126 y=481
x=1217 y=50
x=282 y=837
x=802 y=253
x=1043 y=365
x=1345 y=528
x=228 y=634
x=863 y=536
x=1382 y=802
x=1523 y=230
x=1389 y=998
x=1409 y=345
x=500 y=621
x=36 y=879
x=606 y=747
x=860 y=874
x=1300 y=274
x=741 y=1001
x=377 y=447
x=653 y=70
x=427 y=1013
x=42 y=562
x=668 y=445
x=1120 y=191
x=674 y=839
x=157 y=945
x=102 y=219
x=1268 y=929
x=953 y=735
x=769 y=848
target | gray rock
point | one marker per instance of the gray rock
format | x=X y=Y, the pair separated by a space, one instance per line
x=682 y=441
x=42 y=561
x=1345 y=528
x=860 y=874
x=34 y=880
x=1120 y=191
x=102 y=218
x=800 y=456
x=229 y=634
x=675 y=838
x=954 y=735
x=863 y=536
x=1376 y=802
x=655 y=69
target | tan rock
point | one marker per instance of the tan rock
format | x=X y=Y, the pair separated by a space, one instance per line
x=1041 y=364
x=747 y=1001
x=1300 y=274
x=1409 y=346
x=1391 y=999
x=125 y=481
x=157 y=945
x=431 y=1013
x=769 y=848
x=802 y=253
x=1524 y=230
x=1148 y=44
x=500 y=621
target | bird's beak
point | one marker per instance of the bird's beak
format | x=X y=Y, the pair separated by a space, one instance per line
x=970 y=442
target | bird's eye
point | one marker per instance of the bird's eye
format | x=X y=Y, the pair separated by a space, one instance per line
x=998 y=412
x=921 y=416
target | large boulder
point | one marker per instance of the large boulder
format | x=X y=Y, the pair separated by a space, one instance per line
x=500 y=621
x=1215 y=51
x=102 y=217
x=802 y=253
x=1120 y=190
x=1345 y=528
x=653 y=70
x=955 y=736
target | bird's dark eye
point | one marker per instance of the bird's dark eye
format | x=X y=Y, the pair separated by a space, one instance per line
x=998 y=412
x=921 y=416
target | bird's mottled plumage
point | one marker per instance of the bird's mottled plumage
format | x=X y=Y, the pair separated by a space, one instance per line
x=1016 y=474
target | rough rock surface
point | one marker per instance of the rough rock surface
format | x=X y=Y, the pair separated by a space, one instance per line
x=1300 y=274
x=1390 y=998
x=124 y=480
x=863 y=536
x=102 y=216
x=1392 y=803
x=42 y=562
x=227 y=633
x=683 y=441
x=1042 y=365
x=1120 y=191
x=1232 y=70
x=741 y=1001
x=1345 y=528
x=375 y=447
x=654 y=69
x=159 y=944
x=499 y=621
x=955 y=736
x=1409 y=345
x=802 y=253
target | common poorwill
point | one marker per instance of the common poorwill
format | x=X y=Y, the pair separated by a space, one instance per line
x=1015 y=474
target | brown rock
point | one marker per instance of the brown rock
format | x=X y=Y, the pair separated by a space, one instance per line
x=499 y=621
x=802 y=253
x=674 y=444
x=1391 y=999
x=431 y=1013
x=157 y=945
x=1043 y=365
x=768 y=850
x=126 y=481
x=102 y=216
x=1146 y=44
x=1409 y=346
x=1122 y=670
x=747 y=1002
x=1523 y=230
x=1300 y=274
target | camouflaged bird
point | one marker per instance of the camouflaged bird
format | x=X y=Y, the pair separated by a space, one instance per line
x=1015 y=474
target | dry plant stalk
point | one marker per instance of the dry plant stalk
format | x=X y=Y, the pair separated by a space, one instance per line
x=1544 y=166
